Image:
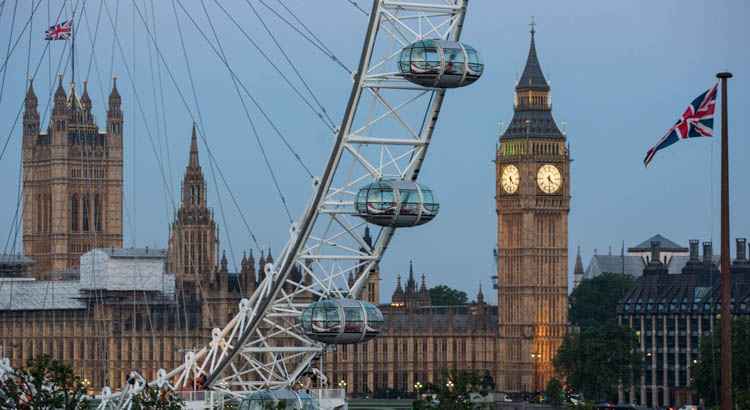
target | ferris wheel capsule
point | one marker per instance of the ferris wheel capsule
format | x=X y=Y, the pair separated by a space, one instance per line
x=440 y=63
x=396 y=203
x=341 y=321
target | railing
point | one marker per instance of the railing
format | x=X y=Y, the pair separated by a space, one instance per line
x=328 y=394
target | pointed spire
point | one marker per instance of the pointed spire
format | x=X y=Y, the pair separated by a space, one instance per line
x=60 y=91
x=423 y=286
x=194 y=162
x=31 y=100
x=411 y=284
x=85 y=99
x=114 y=95
x=224 y=262
x=532 y=77
x=480 y=294
x=579 y=263
x=269 y=258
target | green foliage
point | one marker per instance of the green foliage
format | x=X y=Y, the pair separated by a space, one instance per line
x=455 y=391
x=594 y=301
x=554 y=392
x=44 y=384
x=707 y=373
x=153 y=398
x=442 y=295
x=595 y=359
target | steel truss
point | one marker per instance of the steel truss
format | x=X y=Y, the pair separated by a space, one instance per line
x=385 y=133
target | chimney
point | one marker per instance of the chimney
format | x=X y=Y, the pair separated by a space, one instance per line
x=655 y=251
x=694 y=251
x=741 y=249
x=708 y=252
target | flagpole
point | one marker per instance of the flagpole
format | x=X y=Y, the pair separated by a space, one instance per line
x=73 y=48
x=726 y=277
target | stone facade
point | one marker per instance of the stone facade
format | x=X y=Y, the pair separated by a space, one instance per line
x=419 y=343
x=72 y=181
x=533 y=201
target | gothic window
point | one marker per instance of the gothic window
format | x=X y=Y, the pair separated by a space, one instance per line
x=98 y=212
x=74 y=213
x=85 y=207
x=39 y=209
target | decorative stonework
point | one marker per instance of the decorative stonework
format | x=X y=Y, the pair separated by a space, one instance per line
x=72 y=181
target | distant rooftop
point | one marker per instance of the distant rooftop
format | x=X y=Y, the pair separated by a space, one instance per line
x=19 y=294
x=135 y=252
x=665 y=245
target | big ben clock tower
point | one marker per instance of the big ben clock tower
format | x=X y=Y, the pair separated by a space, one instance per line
x=533 y=200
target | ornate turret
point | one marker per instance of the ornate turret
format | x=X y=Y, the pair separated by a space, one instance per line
x=193 y=184
x=261 y=267
x=224 y=267
x=59 y=112
x=532 y=117
x=398 y=295
x=480 y=295
x=30 y=115
x=86 y=115
x=424 y=293
x=114 y=111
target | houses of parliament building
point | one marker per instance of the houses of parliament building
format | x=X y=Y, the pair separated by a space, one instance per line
x=78 y=295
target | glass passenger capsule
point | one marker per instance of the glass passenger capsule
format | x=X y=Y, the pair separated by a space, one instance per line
x=396 y=203
x=341 y=321
x=440 y=63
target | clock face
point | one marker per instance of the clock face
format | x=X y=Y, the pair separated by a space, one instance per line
x=548 y=178
x=510 y=179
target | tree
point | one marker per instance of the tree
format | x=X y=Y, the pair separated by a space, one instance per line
x=442 y=295
x=707 y=373
x=554 y=392
x=595 y=359
x=44 y=384
x=594 y=301
x=154 y=398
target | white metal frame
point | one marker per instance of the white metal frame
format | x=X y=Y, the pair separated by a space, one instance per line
x=385 y=132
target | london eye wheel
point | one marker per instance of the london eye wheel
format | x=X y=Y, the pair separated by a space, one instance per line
x=410 y=55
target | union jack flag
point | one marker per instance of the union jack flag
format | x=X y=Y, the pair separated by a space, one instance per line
x=60 y=31
x=696 y=121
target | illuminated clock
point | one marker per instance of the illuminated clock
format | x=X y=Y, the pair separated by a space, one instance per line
x=510 y=179
x=549 y=179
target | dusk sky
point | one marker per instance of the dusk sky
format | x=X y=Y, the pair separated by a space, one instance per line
x=621 y=73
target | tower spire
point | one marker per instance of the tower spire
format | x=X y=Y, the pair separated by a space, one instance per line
x=579 y=263
x=532 y=77
x=194 y=161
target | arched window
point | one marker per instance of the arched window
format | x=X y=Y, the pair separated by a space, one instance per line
x=39 y=210
x=98 y=212
x=74 y=213
x=85 y=224
x=192 y=194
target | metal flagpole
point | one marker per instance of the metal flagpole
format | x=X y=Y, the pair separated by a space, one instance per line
x=73 y=48
x=726 y=277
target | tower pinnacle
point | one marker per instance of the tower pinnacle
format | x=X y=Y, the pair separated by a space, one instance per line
x=194 y=161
